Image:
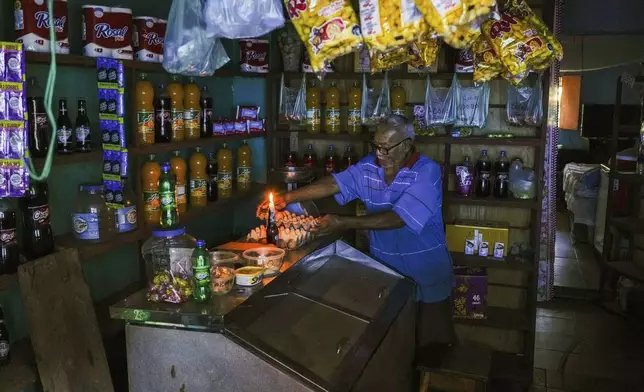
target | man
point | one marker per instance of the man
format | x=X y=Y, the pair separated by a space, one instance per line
x=402 y=192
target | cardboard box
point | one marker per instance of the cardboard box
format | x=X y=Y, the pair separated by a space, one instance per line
x=456 y=233
x=469 y=292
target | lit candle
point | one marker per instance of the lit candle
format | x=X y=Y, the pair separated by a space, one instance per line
x=271 y=205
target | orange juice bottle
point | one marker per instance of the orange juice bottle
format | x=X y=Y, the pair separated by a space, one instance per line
x=178 y=167
x=150 y=173
x=144 y=93
x=244 y=167
x=224 y=172
x=175 y=91
x=191 y=109
x=354 y=98
x=313 y=106
x=198 y=178
x=332 y=121
x=398 y=100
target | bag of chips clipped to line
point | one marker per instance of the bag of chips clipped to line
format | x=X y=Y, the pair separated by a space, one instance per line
x=440 y=104
x=390 y=24
x=293 y=102
x=329 y=29
x=472 y=105
x=376 y=105
x=443 y=16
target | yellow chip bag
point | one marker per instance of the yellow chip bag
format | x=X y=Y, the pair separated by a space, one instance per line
x=486 y=65
x=424 y=52
x=441 y=14
x=463 y=36
x=385 y=61
x=328 y=28
x=389 y=24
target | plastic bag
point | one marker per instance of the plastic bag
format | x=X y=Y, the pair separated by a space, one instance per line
x=471 y=105
x=443 y=16
x=242 y=18
x=329 y=29
x=390 y=24
x=534 y=110
x=380 y=61
x=293 y=102
x=187 y=49
x=517 y=105
x=375 y=107
x=440 y=104
x=425 y=52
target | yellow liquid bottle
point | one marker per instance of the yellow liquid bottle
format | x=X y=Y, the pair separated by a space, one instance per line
x=398 y=100
x=198 y=176
x=332 y=119
x=354 y=99
x=191 y=110
x=313 y=105
x=175 y=91
x=224 y=172
x=244 y=167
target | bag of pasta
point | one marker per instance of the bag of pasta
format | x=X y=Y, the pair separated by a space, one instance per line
x=293 y=102
x=424 y=53
x=380 y=61
x=376 y=105
x=472 y=105
x=329 y=29
x=440 y=104
x=521 y=40
x=534 y=110
x=442 y=16
x=389 y=24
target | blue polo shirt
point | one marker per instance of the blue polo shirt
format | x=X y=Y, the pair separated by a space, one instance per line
x=417 y=250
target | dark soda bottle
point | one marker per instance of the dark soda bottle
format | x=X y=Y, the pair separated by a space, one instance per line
x=38 y=126
x=272 y=231
x=9 y=251
x=483 y=168
x=38 y=236
x=502 y=169
x=169 y=215
x=291 y=159
x=310 y=159
x=82 y=131
x=162 y=121
x=349 y=158
x=330 y=161
x=205 y=126
x=64 y=132
x=211 y=172
x=5 y=346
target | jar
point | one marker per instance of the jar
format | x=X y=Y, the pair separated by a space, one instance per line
x=92 y=220
x=126 y=218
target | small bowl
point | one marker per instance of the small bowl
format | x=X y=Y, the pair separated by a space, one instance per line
x=222 y=257
x=267 y=257
x=222 y=279
x=249 y=276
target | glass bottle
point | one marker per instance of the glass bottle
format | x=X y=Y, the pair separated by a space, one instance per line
x=9 y=249
x=330 y=161
x=502 y=169
x=225 y=172
x=82 y=131
x=398 y=100
x=313 y=106
x=310 y=159
x=127 y=217
x=38 y=238
x=244 y=167
x=205 y=126
x=211 y=171
x=38 y=125
x=332 y=118
x=483 y=168
x=349 y=157
x=64 y=131
x=354 y=98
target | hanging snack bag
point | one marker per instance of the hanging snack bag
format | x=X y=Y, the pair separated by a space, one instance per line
x=472 y=105
x=329 y=29
x=375 y=106
x=385 y=61
x=306 y=65
x=534 y=110
x=463 y=36
x=517 y=105
x=442 y=15
x=389 y=24
x=486 y=65
x=440 y=104
x=425 y=53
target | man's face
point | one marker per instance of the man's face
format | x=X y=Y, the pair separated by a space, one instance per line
x=386 y=138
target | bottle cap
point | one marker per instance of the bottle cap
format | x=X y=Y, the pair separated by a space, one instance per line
x=168 y=233
x=483 y=152
x=165 y=167
x=331 y=147
x=502 y=153
x=201 y=243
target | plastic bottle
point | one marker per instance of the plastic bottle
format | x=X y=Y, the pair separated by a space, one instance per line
x=191 y=109
x=202 y=291
x=175 y=92
x=38 y=238
x=349 y=157
x=39 y=130
x=354 y=98
x=313 y=106
x=483 y=168
x=82 y=128
x=179 y=169
x=162 y=116
x=64 y=143
x=205 y=123
x=244 y=167
x=211 y=171
x=169 y=213
x=330 y=161
x=127 y=217
x=332 y=119
x=150 y=173
x=291 y=159
x=144 y=96
x=398 y=100
x=225 y=172
x=502 y=168
x=9 y=251
x=310 y=159
x=198 y=179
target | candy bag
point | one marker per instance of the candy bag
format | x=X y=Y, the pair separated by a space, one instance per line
x=442 y=15
x=534 y=110
x=187 y=49
x=440 y=104
x=517 y=105
x=235 y=19
x=472 y=105
x=375 y=107
x=329 y=29
x=486 y=65
x=389 y=24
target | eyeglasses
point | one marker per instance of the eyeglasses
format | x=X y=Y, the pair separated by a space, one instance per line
x=385 y=150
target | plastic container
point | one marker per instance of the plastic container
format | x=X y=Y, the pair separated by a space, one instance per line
x=168 y=250
x=268 y=257
x=223 y=271
x=92 y=220
x=249 y=276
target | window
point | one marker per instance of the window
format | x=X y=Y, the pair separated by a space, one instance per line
x=569 y=99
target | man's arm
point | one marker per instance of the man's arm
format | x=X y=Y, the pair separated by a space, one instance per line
x=380 y=221
x=324 y=187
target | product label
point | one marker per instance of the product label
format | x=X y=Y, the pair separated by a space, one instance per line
x=191 y=118
x=180 y=194
x=145 y=122
x=198 y=187
x=313 y=116
x=63 y=135
x=243 y=174
x=353 y=117
x=444 y=7
x=202 y=275
x=409 y=13
x=82 y=134
x=126 y=219
x=330 y=168
x=176 y=117
x=370 y=18
x=4 y=349
x=8 y=236
x=224 y=181
x=151 y=201
x=167 y=201
x=333 y=117
x=39 y=215
x=86 y=226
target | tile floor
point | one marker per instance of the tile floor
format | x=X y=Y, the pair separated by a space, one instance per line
x=581 y=348
x=575 y=264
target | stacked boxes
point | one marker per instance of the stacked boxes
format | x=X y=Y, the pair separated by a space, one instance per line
x=476 y=238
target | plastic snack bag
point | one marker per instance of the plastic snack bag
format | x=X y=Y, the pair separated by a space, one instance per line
x=440 y=104
x=472 y=105
x=486 y=65
x=534 y=110
x=380 y=61
x=242 y=19
x=442 y=15
x=293 y=102
x=389 y=24
x=517 y=105
x=375 y=107
x=463 y=36
x=425 y=52
x=187 y=49
x=329 y=29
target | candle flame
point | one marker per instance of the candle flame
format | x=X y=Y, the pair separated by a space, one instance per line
x=271 y=205
x=270 y=197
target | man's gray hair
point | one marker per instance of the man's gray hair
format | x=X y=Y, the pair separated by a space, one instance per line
x=400 y=124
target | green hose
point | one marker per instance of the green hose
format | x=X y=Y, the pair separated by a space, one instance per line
x=49 y=94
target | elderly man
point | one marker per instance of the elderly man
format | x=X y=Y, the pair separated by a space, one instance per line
x=402 y=192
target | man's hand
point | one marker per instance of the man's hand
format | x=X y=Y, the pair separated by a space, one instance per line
x=328 y=224
x=280 y=201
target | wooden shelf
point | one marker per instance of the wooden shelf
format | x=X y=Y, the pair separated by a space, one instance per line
x=21 y=372
x=168 y=147
x=513 y=141
x=508 y=263
x=509 y=202
x=302 y=134
x=502 y=318
x=627 y=269
x=96 y=155
x=628 y=224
